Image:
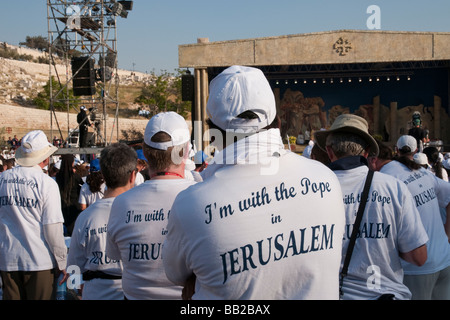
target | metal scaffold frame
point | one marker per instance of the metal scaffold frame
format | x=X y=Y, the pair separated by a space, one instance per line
x=87 y=29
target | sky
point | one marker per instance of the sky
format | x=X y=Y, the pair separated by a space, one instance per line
x=148 y=39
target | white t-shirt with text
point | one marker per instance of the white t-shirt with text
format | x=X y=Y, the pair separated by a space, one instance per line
x=430 y=193
x=390 y=224
x=254 y=232
x=88 y=252
x=87 y=197
x=137 y=229
x=29 y=199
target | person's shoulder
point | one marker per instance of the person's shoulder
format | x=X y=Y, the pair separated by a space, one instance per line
x=392 y=166
x=386 y=178
x=294 y=160
x=194 y=188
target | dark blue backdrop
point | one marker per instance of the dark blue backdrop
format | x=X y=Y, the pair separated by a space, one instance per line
x=421 y=89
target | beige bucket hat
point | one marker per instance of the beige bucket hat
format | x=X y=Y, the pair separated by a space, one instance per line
x=34 y=149
x=352 y=124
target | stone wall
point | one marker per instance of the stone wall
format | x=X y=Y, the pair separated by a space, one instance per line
x=343 y=46
x=20 y=120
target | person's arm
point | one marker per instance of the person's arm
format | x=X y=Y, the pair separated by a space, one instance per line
x=417 y=256
x=412 y=236
x=442 y=190
x=82 y=198
x=447 y=222
x=54 y=235
x=189 y=288
x=175 y=264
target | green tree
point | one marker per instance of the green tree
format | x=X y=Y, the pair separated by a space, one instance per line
x=164 y=94
x=42 y=100
x=36 y=42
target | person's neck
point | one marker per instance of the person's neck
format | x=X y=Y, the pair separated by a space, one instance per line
x=112 y=193
x=383 y=163
x=169 y=173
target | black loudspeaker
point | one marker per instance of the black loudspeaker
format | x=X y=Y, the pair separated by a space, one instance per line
x=83 y=76
x=126 y=5
x=187 y=87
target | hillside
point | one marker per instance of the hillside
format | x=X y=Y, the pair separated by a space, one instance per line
x=21 y=81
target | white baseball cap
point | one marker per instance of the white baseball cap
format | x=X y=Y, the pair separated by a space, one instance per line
x=171 y=123
x=420 y=158
x=446 y=163
x=34 y=149
x=236 y=90
x=407 y=141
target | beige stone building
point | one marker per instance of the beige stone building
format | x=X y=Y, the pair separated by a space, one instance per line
x=384 y=76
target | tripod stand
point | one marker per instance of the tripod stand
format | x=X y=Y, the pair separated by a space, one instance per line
x=97 y=137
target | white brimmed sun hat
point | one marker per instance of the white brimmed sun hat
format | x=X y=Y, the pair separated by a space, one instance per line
x=34 y=149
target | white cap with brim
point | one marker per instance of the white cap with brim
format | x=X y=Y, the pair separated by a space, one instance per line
x=420 y=158
x=446 y=164
x=171 y=123
x=236 y=90
x=34 y=149
x=407 y=141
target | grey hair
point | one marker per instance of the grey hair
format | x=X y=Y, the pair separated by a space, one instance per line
x=117 y=162
x=346 y=144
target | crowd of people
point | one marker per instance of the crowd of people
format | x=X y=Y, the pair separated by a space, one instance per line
x=350 y=219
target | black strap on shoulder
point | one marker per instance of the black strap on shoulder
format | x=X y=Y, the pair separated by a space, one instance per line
x=351 y=244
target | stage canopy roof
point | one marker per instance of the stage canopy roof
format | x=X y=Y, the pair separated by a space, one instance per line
x=334 y=47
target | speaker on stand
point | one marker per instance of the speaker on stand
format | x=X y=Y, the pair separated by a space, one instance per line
x=187 y=86
x=83 y=76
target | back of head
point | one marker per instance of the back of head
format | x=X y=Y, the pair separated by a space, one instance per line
x=433 y=154
x=65 y=176
x=66 y=169
x=348 y=136
x=95 y=181
x=386 y=152
x=406 y=145
x=406 y=148
x=320 y=155
x=117 y=162
x=166 y=141
x=435 y=160
x=241 y=98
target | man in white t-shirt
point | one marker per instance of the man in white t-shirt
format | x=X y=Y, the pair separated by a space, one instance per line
x=265 y=223
x=102 y=275
x=432 y=280
x=390 y=230
x=32 y=250
x=137 y=225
